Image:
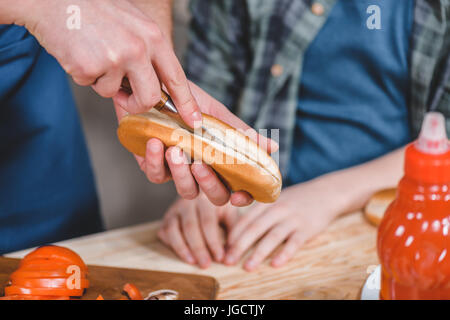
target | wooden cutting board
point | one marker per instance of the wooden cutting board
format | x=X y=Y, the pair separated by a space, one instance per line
x=109 y=282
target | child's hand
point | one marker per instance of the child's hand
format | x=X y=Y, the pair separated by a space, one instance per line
x=301 y=212
x=192 y=228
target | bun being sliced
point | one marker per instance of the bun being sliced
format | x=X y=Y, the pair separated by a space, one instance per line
x=241 y=163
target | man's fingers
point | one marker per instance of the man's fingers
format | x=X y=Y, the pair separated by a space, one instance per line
x=241 y=199
x=294 y=242
x=141 y=162
x=118 y=100
x=146 y=90
x=194 y=237
x=155 y=167
x=181 y=173
x=153 y=164
x=84 y=69
x=120 y=113
x=210 y=225
x=267 y=244
x=210 y=184
x=172 y=75
x=176 y=240
x=109 y=84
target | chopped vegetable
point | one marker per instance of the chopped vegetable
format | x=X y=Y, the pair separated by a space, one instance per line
x=132 y=291
x=46 y=282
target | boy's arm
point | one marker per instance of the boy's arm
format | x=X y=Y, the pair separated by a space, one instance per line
x=357 y=184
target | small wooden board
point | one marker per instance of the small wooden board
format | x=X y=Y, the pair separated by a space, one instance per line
x=109 y=281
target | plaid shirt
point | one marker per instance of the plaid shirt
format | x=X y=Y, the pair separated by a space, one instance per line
x=249 y=54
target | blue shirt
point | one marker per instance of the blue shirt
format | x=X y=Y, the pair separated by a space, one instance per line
x=352 y=104
x=46 y=182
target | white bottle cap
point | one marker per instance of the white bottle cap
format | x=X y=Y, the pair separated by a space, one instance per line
x=433 y=136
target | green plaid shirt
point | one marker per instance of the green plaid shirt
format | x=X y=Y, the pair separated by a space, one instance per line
x=249 y=54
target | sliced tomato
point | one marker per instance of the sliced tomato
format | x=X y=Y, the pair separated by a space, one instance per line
x=46 y=283
x=30 y=297
x=55 y=253
x=17 y=290
x=132 y=291
x=44 y=264
x=49 y=261
x=33 y=274
x=41 y=264
x=45 y=271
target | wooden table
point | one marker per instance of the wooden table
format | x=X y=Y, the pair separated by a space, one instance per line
x=334 y=265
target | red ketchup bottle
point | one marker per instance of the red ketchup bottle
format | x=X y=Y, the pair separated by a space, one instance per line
x=414 y=236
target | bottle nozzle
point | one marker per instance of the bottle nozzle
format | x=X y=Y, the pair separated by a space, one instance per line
x=433 y=136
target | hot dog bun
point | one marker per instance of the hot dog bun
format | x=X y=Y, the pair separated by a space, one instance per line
x=241 y=163
x=377 y=205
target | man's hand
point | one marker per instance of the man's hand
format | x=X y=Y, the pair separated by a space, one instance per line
x=115 y=40
x=192 y=228
x=161 y=165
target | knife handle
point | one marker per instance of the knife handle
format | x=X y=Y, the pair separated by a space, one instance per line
x=162 y=103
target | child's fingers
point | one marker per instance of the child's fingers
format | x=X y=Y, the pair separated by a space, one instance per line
x=243 y=222
x=268 y=244
x=253 y=233
x=173 y=210
x=295 y=241
x=176 y=240
x=229 y=215
x=194 y=237
x=162 y=235
x=209 y=222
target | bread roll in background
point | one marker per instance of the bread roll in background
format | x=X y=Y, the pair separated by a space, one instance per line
x=378 y=204
x=241 y=163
